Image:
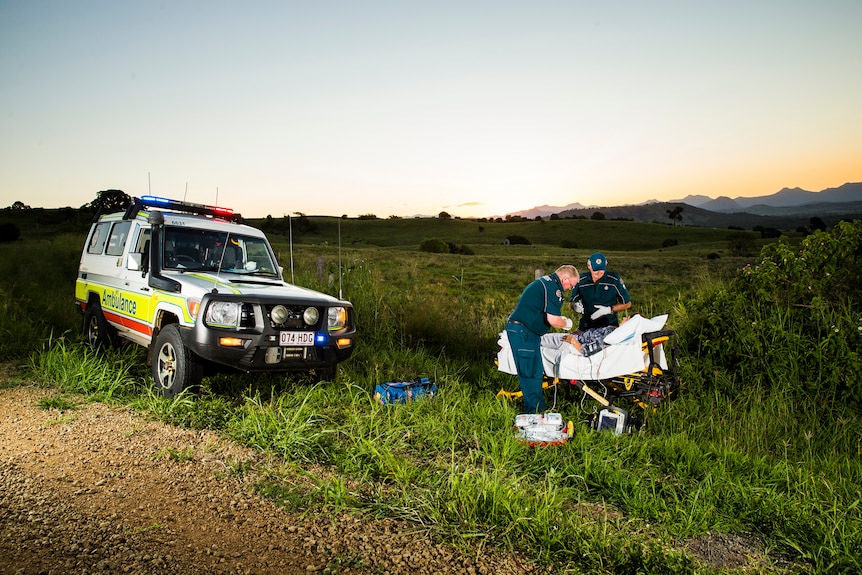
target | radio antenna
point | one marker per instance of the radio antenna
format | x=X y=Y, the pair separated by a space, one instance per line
x=290 y=228
x=149 y=186
x=185 y=195
x=340 y=296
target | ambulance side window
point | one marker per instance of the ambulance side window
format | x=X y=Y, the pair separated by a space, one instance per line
x=139 y=254
x=143 y=239
x=98 y=238
x=117 y=241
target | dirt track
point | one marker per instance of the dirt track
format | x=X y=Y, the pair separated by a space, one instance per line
x=98 y=489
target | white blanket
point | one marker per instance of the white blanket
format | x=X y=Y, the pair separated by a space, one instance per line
x=623 y=353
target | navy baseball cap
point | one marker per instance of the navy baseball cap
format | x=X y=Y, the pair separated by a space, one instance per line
x=598 y=262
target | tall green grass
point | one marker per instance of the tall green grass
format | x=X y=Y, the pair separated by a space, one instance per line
x=752 y=446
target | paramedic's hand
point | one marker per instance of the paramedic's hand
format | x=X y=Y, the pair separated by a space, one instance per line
x=569 y=323
x=578 y=307
x=600 y=311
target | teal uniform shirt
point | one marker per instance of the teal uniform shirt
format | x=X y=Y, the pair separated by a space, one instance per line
x=542 y=296
x=525 y=328
x=609 y=290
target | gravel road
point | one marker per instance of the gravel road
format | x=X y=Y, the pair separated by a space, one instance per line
x=100 y=489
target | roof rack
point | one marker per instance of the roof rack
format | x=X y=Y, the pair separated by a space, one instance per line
x=139 y=204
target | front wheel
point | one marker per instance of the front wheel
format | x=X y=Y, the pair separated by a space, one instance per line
x=175 y=367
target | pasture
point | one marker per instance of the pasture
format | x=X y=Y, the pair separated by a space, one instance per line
x=771 y=457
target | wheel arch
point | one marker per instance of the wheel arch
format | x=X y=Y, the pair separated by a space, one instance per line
x=163 y=317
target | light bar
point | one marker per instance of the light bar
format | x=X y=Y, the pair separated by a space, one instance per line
x=188 y=207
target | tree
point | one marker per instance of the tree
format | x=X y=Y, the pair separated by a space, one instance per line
x=18 y=206
x=109 y=201
x=597 y=216
x=675 y=214
x=444 y=216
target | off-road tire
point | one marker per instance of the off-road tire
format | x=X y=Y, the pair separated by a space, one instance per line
x=97 y=331
x=175 y=367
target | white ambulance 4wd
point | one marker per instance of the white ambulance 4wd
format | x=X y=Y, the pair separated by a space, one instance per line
x=200 y=290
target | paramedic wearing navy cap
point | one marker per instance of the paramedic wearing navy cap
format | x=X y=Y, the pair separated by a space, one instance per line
x=599 y=295
x=538 y=310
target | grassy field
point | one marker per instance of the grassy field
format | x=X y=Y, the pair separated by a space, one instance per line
x=742 y=457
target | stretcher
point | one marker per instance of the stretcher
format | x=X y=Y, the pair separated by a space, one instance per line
x=637 y=361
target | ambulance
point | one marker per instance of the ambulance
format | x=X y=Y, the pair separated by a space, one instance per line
x=203 y=293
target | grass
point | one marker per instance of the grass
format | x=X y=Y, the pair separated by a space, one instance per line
x=729 y=456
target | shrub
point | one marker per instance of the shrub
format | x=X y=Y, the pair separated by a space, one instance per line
x=434 y=246
x=791 y=321
x=463 y=249
x=518 y=240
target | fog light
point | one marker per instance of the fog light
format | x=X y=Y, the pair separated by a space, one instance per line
x=231 y=342
x=273 y=355
x=310 y=316
x=279 y=314
x=343 y=342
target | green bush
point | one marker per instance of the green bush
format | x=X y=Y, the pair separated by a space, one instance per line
x=434 y=246
x=791 y=321
x=518 y=240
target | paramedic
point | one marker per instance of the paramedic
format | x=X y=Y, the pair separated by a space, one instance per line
x=538 y=310
x=598 y=295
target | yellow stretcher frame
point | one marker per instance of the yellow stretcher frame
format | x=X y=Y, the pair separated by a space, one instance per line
x=624 y=386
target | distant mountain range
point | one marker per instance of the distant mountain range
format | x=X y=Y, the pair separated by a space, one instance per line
x=785 y=209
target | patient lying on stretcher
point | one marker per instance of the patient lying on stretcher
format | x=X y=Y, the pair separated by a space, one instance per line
x=589 y=341
x=619 y=352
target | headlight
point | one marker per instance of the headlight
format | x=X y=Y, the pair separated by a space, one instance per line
x=224 y=314
x=310 y=316
x=337 y=317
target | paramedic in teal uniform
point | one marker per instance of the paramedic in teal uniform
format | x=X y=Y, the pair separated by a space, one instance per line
x=599 y=294
x=538 y=310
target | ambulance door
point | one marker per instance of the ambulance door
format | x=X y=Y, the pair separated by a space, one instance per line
x=135 y=274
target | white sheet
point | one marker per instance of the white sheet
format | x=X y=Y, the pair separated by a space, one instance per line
x=622 y=354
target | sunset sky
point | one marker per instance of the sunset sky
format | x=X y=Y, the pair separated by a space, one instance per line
x=477 y=108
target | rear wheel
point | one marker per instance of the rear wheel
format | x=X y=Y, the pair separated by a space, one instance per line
x=97 y=330
x=175 y=367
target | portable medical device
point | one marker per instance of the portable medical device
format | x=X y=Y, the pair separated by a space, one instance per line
x=612 y=419
x=542 y=428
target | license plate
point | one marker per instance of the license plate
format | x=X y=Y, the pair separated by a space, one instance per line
x=296 y=338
